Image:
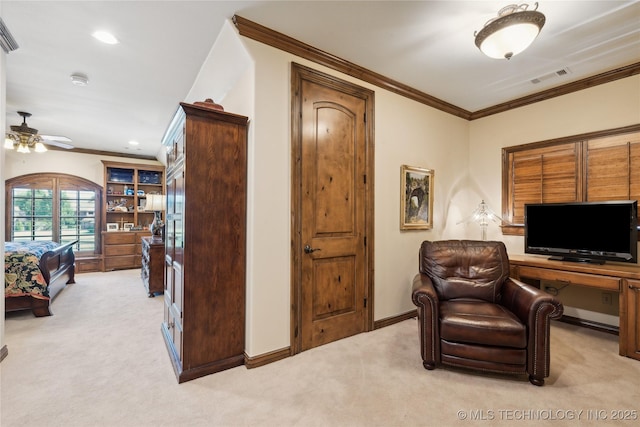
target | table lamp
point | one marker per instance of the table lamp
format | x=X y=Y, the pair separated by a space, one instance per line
x=156 y=203
x=481 y=215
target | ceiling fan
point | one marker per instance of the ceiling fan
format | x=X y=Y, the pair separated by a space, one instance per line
x=24 y=138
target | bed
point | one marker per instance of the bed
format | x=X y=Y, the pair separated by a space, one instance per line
x=35 y=272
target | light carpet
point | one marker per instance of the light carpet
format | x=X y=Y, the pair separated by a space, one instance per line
x=100 y=361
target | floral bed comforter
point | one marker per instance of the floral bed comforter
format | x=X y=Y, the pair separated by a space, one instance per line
x=22 y=275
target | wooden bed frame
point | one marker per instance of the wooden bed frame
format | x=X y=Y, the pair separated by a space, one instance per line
x=58 y=268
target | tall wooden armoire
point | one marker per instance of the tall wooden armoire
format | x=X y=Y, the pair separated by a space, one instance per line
x=205 y=240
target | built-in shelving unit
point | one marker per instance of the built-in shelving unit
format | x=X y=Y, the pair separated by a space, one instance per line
x=126 y=187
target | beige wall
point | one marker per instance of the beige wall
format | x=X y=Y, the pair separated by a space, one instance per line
x=87 y=166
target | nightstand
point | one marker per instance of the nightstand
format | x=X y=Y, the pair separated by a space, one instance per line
x=152 y=272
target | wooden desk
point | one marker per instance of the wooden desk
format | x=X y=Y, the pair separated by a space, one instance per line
x=623 y=279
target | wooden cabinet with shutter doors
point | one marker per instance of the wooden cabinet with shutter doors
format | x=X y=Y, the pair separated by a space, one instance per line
x=204 y=287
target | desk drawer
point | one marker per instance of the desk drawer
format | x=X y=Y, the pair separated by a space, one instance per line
x=590 y=280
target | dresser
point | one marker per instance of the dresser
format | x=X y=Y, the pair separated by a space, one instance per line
x=122 y=249
x=204 y=287
x=152 y=271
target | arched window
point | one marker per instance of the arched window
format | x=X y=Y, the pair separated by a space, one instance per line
x=52 y=206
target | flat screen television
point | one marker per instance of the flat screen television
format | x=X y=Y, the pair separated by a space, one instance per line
x=583 y=232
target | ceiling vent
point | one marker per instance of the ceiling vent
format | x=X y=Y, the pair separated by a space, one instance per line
x=7 y=41
x=562 y=72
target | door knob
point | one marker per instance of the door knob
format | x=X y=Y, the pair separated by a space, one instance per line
x=308 y=249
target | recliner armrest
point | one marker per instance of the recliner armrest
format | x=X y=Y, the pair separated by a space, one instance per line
x=534 y=308
x=424 y=296
x=423 y=287
x=526 y=301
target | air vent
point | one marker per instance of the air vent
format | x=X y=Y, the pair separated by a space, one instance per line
x=562 y=72
x=7 y=41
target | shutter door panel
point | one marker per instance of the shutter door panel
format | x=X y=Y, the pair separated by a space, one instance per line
x=548 y=175
x=527 y=173
x=560 y=176
x=634 y=168
x=607 y=171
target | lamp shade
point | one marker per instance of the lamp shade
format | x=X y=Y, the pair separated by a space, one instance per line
x=511 y=32
x=155 y=202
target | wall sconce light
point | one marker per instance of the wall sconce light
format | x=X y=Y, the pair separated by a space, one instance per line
x=511 y=32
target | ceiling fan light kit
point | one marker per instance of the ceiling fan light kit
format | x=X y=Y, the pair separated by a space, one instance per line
x=511 y=32
x=24 y=138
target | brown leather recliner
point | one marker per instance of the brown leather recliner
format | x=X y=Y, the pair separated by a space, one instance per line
x=472 y=314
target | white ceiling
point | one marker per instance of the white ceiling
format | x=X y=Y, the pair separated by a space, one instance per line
x=134 y=87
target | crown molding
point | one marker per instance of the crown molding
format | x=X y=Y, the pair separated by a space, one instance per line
x=283 y=42
x=606 y=77
x=102 y=153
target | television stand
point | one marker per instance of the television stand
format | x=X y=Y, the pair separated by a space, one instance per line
x=574 y=259
x=623 y=279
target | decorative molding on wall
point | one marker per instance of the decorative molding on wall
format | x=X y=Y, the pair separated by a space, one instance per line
x=283 y=42
x=264 y=359
x=395 y=319
x=102 y=153
x=606 y=77
x=276 y=355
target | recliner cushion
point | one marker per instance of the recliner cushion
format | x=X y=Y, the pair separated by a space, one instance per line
x=465 y=268
x=480 y=322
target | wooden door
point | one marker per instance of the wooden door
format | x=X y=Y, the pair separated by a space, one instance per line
x=332 y=256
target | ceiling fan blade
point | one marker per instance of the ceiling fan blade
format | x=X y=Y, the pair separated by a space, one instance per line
x=57 y=144
x=57 y=141
x=58 y=138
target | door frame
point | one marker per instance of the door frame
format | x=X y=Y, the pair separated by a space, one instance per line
x=300 y=73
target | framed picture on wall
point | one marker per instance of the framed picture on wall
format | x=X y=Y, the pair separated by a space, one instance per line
x=416 y=198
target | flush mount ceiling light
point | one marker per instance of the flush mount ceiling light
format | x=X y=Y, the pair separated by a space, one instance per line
x=511 y=32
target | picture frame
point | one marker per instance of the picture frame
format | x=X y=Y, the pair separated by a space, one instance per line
x=112 y=226
x=128 y=226
x=416 y=198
